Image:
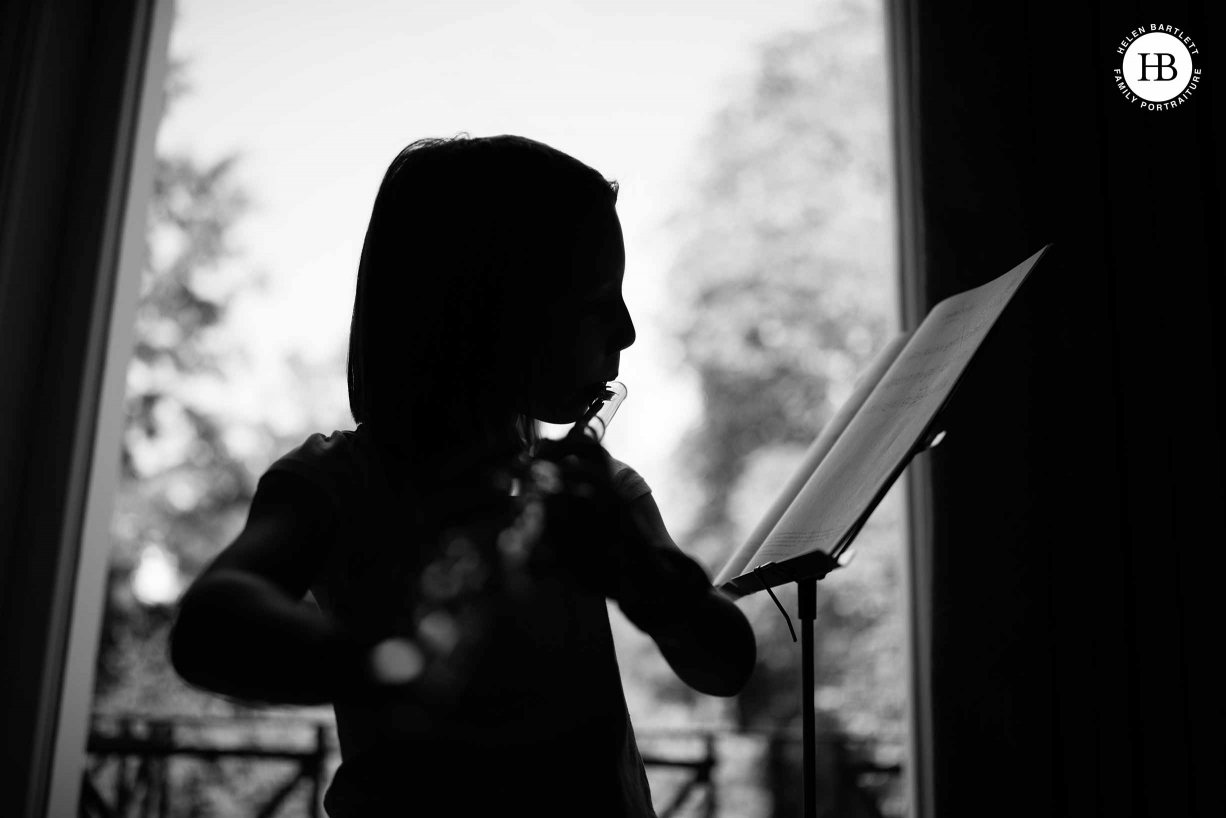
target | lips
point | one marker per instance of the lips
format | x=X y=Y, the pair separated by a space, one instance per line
x=594 y=391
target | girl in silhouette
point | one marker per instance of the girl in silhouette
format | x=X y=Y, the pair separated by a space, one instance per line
x=467 y=678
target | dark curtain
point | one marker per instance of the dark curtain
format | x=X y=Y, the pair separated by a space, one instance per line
x=1070 y=559
x=70 y=78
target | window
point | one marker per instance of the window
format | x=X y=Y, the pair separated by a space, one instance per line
x=754 y=155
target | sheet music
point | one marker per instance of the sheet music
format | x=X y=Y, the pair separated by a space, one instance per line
x=888 y=426
x=813 y=457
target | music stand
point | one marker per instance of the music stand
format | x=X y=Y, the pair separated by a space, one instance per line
x=895 y=415
x=805 y=570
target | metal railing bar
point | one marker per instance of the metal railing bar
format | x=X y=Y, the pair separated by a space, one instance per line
x=279 y=797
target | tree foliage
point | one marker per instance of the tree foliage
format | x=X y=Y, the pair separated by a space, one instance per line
x=783 y=288
x=181 y=489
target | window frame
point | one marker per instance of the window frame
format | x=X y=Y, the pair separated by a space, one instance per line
x=81 y=101
x=91 y=478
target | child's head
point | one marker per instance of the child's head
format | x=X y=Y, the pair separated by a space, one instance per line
x=489 y=294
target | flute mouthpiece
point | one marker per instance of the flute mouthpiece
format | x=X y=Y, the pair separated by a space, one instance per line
x=595 y=422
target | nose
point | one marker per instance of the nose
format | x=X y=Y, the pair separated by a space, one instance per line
x=624 y=334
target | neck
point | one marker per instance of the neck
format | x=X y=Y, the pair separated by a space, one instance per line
x=454 y=457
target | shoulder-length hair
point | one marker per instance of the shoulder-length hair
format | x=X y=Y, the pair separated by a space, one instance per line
x=466 y=238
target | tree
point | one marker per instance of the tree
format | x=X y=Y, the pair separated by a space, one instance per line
x=783 y=288
x=181 y=490
x=185 y=484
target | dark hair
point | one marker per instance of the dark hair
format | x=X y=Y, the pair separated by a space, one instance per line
x=467 y=236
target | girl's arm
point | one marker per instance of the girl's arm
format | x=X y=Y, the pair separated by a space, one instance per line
x=702 y=634
x=242 y=629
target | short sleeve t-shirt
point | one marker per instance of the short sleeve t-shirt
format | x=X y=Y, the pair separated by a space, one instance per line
x=594 y=769
x=338 y=462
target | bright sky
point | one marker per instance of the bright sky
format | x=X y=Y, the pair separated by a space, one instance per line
x=319 y=97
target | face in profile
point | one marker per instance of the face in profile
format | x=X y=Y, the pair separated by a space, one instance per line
x=588 y=326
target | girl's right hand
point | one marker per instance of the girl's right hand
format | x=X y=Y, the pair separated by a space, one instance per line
x=583 y=513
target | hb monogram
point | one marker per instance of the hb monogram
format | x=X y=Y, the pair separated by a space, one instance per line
x=1159 y=65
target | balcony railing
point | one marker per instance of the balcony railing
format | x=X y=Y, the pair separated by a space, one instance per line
x=129 y=771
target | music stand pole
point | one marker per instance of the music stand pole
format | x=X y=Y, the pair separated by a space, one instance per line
x=806 y=593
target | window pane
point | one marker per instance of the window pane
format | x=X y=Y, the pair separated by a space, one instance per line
x=751 y=145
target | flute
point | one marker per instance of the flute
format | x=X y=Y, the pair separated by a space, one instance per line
x=599 y=415
x=398 y=659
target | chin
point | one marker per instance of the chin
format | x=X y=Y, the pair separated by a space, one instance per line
x=561 y=416
x=561 y=412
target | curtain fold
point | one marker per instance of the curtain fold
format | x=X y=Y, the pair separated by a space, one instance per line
x=1066 y=564
x=79 y=93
